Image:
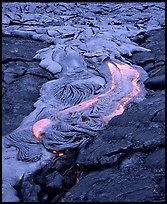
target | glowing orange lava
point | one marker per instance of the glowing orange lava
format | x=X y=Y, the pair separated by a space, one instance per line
x=90 y=102
x=60 y=154
x=121 y=73
x=124 y=70
x=39 y=126
x=115 y=69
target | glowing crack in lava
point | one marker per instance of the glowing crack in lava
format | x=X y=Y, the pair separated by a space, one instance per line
x=124 y=87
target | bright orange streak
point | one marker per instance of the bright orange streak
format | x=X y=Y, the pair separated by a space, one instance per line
x=54 y=151
x=118 y=82
x=90 y=102
x=61 y=154
x=125 y=69
x=38 y=126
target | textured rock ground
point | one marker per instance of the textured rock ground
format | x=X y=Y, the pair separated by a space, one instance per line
x=153 y=62
x=126 y=161
x=21 y=80
x=127 y=158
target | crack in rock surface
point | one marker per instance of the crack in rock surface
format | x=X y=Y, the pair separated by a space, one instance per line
x=87 y=58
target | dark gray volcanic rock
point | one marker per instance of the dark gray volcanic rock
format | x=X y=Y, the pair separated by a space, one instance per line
x=153 y=62
x=114 y=185
x=135 y=129
x=127 y=161
x=21 y=80
x=59 y=174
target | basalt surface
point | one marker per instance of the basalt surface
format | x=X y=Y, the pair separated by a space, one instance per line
x=21 y=80
x=121 y=161
x=128 y=157
x=153 y=63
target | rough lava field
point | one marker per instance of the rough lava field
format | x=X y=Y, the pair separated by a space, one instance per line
x=83 y=102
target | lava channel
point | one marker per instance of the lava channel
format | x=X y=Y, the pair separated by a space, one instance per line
x=121 y=75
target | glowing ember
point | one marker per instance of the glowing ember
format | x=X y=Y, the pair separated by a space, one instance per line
x=84 y=119
x=54 y=152
x=90 y=102
x=60 y=154
x=78 y=139
x=39 y=126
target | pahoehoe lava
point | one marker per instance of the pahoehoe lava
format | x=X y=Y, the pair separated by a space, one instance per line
x=70 y=127
x=96 y=117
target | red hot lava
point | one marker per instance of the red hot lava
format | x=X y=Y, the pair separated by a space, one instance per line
x=124 y=70
x=39 y=126
x=121 y=73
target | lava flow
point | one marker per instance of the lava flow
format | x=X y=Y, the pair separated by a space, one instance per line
x=124 y=69
x=115 y=68
x=39 y=126
x=124 y=87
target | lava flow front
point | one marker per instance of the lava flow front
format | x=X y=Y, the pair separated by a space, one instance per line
x=39 y=126
x=111 y=103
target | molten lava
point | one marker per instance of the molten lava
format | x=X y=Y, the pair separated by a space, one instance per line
x=125 y=70
x=121 y=75
x=60 y=154
x=39 y=126
x=90 y=102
